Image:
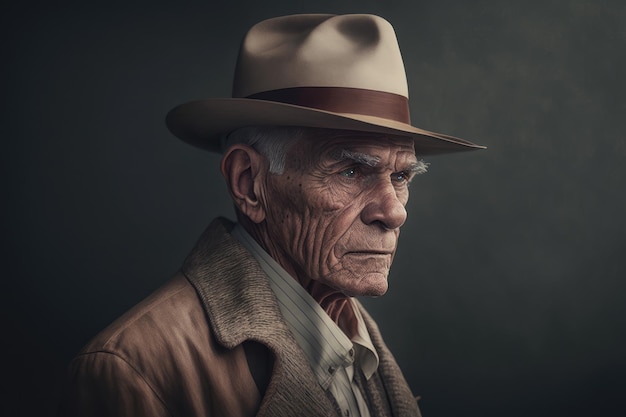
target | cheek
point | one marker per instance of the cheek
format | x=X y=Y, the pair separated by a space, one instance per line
x=298 y=218
x=283 y=209
x=403 y=195
x=322 y=232
x=312 y=223
x=337 y=234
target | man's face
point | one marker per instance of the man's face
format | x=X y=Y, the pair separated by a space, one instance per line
x=335 y=213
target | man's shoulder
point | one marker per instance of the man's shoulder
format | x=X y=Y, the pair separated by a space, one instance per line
x=162 y=353
x=165 y=317
x=172 y=311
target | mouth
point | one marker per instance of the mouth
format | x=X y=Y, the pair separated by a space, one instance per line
x=370 y=253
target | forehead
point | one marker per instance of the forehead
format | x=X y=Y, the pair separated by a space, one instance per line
x=330 y=145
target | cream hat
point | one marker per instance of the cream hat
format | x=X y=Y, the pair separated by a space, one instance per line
x=314 y=70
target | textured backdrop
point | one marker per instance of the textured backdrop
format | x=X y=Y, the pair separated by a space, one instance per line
x=508 y=293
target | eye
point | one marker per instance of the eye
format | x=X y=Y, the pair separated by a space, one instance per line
x=349 y=172
x=401 y=177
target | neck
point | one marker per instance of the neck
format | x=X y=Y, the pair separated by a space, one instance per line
x=333 y=302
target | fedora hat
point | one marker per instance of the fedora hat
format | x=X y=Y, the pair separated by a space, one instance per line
x=314 y=70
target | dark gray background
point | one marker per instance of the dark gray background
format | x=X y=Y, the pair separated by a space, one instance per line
x=507 y=297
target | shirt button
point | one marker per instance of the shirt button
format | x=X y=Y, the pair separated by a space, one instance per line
x=331 y=369
x=351 y=353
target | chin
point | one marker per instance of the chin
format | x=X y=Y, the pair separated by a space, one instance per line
x=367 y=285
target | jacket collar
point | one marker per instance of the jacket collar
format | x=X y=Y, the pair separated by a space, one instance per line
x=241 y=306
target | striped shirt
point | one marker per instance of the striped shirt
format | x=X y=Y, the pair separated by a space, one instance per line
x=331 y=354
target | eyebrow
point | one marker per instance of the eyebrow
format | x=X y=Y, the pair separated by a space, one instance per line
x=358 y=157
x=417 y=167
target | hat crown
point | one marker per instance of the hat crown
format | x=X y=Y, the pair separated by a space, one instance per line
x=315 y=70
x=320 y=50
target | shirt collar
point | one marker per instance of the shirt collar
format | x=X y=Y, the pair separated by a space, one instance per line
x=323 y=342
x=366 y=354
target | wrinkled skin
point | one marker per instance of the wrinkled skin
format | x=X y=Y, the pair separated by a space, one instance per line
x=333 y=222
x=333 y=218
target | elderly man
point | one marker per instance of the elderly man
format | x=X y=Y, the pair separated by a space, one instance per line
x=318 y=154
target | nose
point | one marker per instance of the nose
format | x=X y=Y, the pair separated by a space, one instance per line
x=384 y=208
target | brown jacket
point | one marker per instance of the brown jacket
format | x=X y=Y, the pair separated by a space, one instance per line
x=180 y=351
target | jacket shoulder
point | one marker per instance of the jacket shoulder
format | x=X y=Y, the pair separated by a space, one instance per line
x=173 y=305
x=165 y=347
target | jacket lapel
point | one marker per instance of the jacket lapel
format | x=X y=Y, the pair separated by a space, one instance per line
x=241 y=306
x=400 y=398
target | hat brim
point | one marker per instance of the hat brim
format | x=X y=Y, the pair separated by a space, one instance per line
x=202 y=123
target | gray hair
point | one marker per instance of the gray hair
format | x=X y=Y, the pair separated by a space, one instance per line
x=273 y=142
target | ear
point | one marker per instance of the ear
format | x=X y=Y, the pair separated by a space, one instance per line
x=242 y=168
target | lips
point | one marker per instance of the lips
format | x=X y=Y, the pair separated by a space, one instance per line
x=370 y=252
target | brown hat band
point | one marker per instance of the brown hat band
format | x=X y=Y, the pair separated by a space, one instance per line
x=343 y=100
